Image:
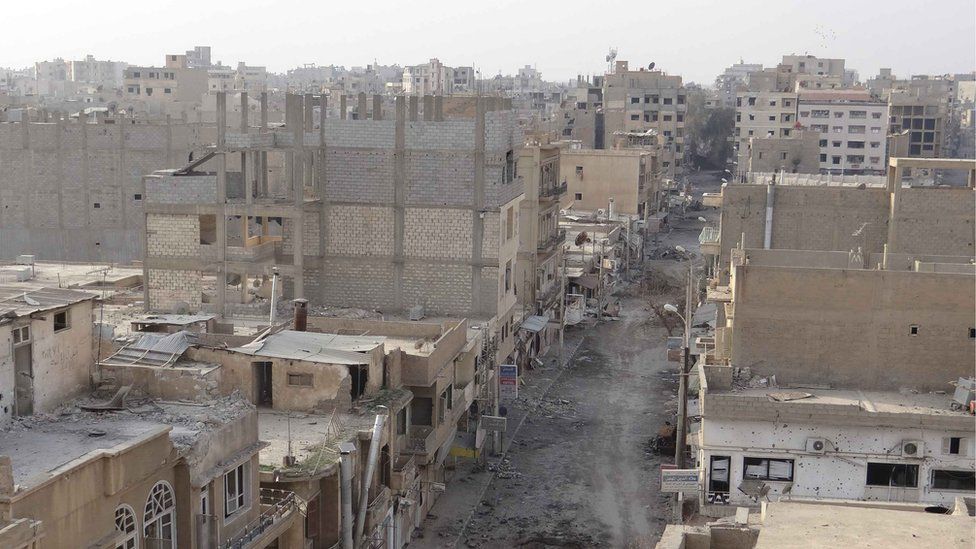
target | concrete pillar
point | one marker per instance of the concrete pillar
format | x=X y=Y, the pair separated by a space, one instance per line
x=309 y=111
x=262 y=176
x=264 y=110
x=221 y=119
x=399 y=198
x=377 y=107
x=244 y=112
x=342 y=107
x=413 y=108
x=478 y=225
x=439 y=108
x=361 y=106
x=428 y=108
x=294 y=115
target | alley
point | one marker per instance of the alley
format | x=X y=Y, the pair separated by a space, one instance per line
x=578 y=471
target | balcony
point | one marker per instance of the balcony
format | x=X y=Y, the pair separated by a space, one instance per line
x=710 y=241
x=404 y=472
x=422 y=439
x=554 y=192
x=279 y=510
x=713 y=200
x=554 y=240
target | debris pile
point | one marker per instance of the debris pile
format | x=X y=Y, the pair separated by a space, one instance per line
x=674 y=253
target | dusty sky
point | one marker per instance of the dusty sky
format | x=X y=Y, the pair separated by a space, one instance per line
x=694 y=38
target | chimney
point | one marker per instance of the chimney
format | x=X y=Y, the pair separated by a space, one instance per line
x=301 y=314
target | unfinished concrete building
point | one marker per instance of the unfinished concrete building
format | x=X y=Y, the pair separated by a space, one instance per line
x=73 y=191
x=391 y=211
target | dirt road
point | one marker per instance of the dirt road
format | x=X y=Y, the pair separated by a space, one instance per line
x=578 y=471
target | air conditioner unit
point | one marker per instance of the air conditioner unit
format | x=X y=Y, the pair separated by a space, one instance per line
x=912 y=448
x=816 y=445
x=601 y=212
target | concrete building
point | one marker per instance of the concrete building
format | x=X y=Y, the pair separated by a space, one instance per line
x=627 y=177
x=764 y=114
x=732 y=79
x=397 y=211
x=540 y=257
x=435 y=78
x=51 y=77
x=798 y=153
x=172 y=89
x=580 y=117
x=199 y=57
x=47 y=356
x=642 y=100
x=924 y=117
x=852 y=127
x=72 y=191
x=104 y=74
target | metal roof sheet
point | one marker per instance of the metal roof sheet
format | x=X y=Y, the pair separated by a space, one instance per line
x=534 y=323
x=314 y=347
x=22 y=302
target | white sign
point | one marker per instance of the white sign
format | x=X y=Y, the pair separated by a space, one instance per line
x=680 y=480
x=493 y=423
x=508 y=381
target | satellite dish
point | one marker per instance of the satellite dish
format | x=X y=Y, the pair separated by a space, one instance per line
x=651 y=66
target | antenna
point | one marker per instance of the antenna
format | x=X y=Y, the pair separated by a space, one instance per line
x=611 y=57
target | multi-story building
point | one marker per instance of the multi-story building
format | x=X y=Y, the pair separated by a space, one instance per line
x=764 y=114
x=435 y=78
x=852 y=127
x=540 y=254
x=51 y=77
x=732 y=79
x=923 y=117
x=106 y=74
x=628 y=178
x=647 y=100
x=580 y=117
x=165 y=89
x=199 y=57
x=797 y=153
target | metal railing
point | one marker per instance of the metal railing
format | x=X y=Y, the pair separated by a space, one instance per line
x=554 y=240
x=554 y=191
x=421 y=439
x=277 y=505
x=709 y=235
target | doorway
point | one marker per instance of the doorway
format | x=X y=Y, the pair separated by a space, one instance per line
x=262 y=384
x=23 y=372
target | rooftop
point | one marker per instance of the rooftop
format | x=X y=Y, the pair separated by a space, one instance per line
x=21 y=301
x=40 y=445
x=885 y=402
x=90 y=276
x=314 y=347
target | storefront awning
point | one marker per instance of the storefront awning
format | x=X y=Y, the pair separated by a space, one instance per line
x=534 y=323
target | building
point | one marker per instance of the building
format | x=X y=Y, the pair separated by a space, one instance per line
x=174 y=88
x=47 y=359
x=51 y=77
x=104 y=74
x=538 y=270
x=764 y=114
x=199 y=57
x=798 y=153
x=626 y=177
x=732 y=79
x=924 y=117
x=853 y=130
x=435 y=78
x=646 y=99
x=88 y=206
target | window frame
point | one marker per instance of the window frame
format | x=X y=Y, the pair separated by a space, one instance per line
x=933 y=487
x=768 y=460
x=241 y=475
x=66 y=325
x=908 y=467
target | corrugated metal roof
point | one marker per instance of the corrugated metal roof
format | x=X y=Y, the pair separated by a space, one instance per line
x=22 y=302
x=534 y=323
x=176 y=320
x=314 y=347
x=153 y=350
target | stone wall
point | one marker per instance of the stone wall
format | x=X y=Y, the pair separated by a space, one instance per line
x=169 y=288
x=172 y=235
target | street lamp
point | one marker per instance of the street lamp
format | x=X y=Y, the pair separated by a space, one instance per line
x=681 y=428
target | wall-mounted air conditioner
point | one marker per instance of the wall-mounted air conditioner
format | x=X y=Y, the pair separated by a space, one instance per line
x=816 y=445
x=912 y=448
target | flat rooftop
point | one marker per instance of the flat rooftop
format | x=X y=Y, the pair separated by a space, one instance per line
x=91 y=276
x=892 y=402
x=40 y=445
x=799 y=525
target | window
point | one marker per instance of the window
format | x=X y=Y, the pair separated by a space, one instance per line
x=125 y=523
x=300 y=380
x=236 y=487
x=667 y=118
x=136 y=74
x=823 y=157
x=634 y=100
x=953 y=446
x=875 y=159
x=97 y=205
x=578 y=196
x=21 y=335
x=782 y=156
x=668 y=100
x=804 y=114
x=167 y=90
x=820 y=114
x=943 y=479
x=876 y=115
x=579 y=171
x=772 y=118
x=159 y=518
x=137 y=196
x=204 y=502
x=208 y=229
x=875 y=144
x=913 y=329
x=898 y=475
x=855 y=129
x=767 y=469
x=772 y=103
x=972 y=333
x=822 y=128
x=838 y=114
x=635 y=117
x=835 y=160
x=680 y=117
x=508 y=276
x=838 y=129
x=62 y=320
x=836 y=143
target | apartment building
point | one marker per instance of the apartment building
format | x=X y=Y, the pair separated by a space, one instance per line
x=732 y=79
x=435 y=78
x=105 y=74
x=762 y=114
x=580 y=117
x=853 y=130
x=647 y=100
x=163 y=89
x=797 y=153
x=629 y=178
x=386 y=212
x=540 y=256
x=923 y=117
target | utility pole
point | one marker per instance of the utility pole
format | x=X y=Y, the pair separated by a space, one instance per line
x=562 y=309
x=600 y=285
x=682 y=427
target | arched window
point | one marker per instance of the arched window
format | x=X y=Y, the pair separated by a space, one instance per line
x=125 y=522
x=160 y=517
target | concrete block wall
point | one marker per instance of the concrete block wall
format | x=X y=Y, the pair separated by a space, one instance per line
x=355 y=175
x=181 y=189
x=443 y=288
x=440 y=177
x=358 y=283
x=936 y=221
x=490 y=235
x=172 y=235
x=168 y=288
x=360 y=230
x=491 y=284
x=311 y=234
x=437 y=233
x=448 y=135
x=53 y=175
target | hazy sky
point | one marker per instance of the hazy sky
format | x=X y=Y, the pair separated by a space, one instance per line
x=694 y=38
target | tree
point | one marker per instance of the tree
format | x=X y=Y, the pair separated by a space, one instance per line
x=708 y=133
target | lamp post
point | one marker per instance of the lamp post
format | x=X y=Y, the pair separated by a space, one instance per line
x=682 y=427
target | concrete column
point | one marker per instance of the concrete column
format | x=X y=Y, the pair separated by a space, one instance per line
x=399 y=197
x=428 y=108
x=262 y=157
x=377 y=107
x=361 y=106
x=244 y=112
x=294 y=115
x=309 y=111
x=439 y=108
x=478 y=225
x=264 y=110
x=321 y=182
x=309 y=125
x=413 y=108
x=221 y=216
x=221 y=119
x=342 y=107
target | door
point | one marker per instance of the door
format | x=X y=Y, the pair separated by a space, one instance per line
x=24 y=382
x=718 y=479
x=262 y=381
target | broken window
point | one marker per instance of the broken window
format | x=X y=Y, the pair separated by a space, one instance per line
x=236 y=487
x=208 y=229
x=300 y=380
x=897 y=475
x=767 y=469
x=944 y=479
x=62 y=321
x=509 y=166
x=508 y=276
x=421 y=411
x=125 y=523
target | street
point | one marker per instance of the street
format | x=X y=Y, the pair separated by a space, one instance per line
x=578 y=470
